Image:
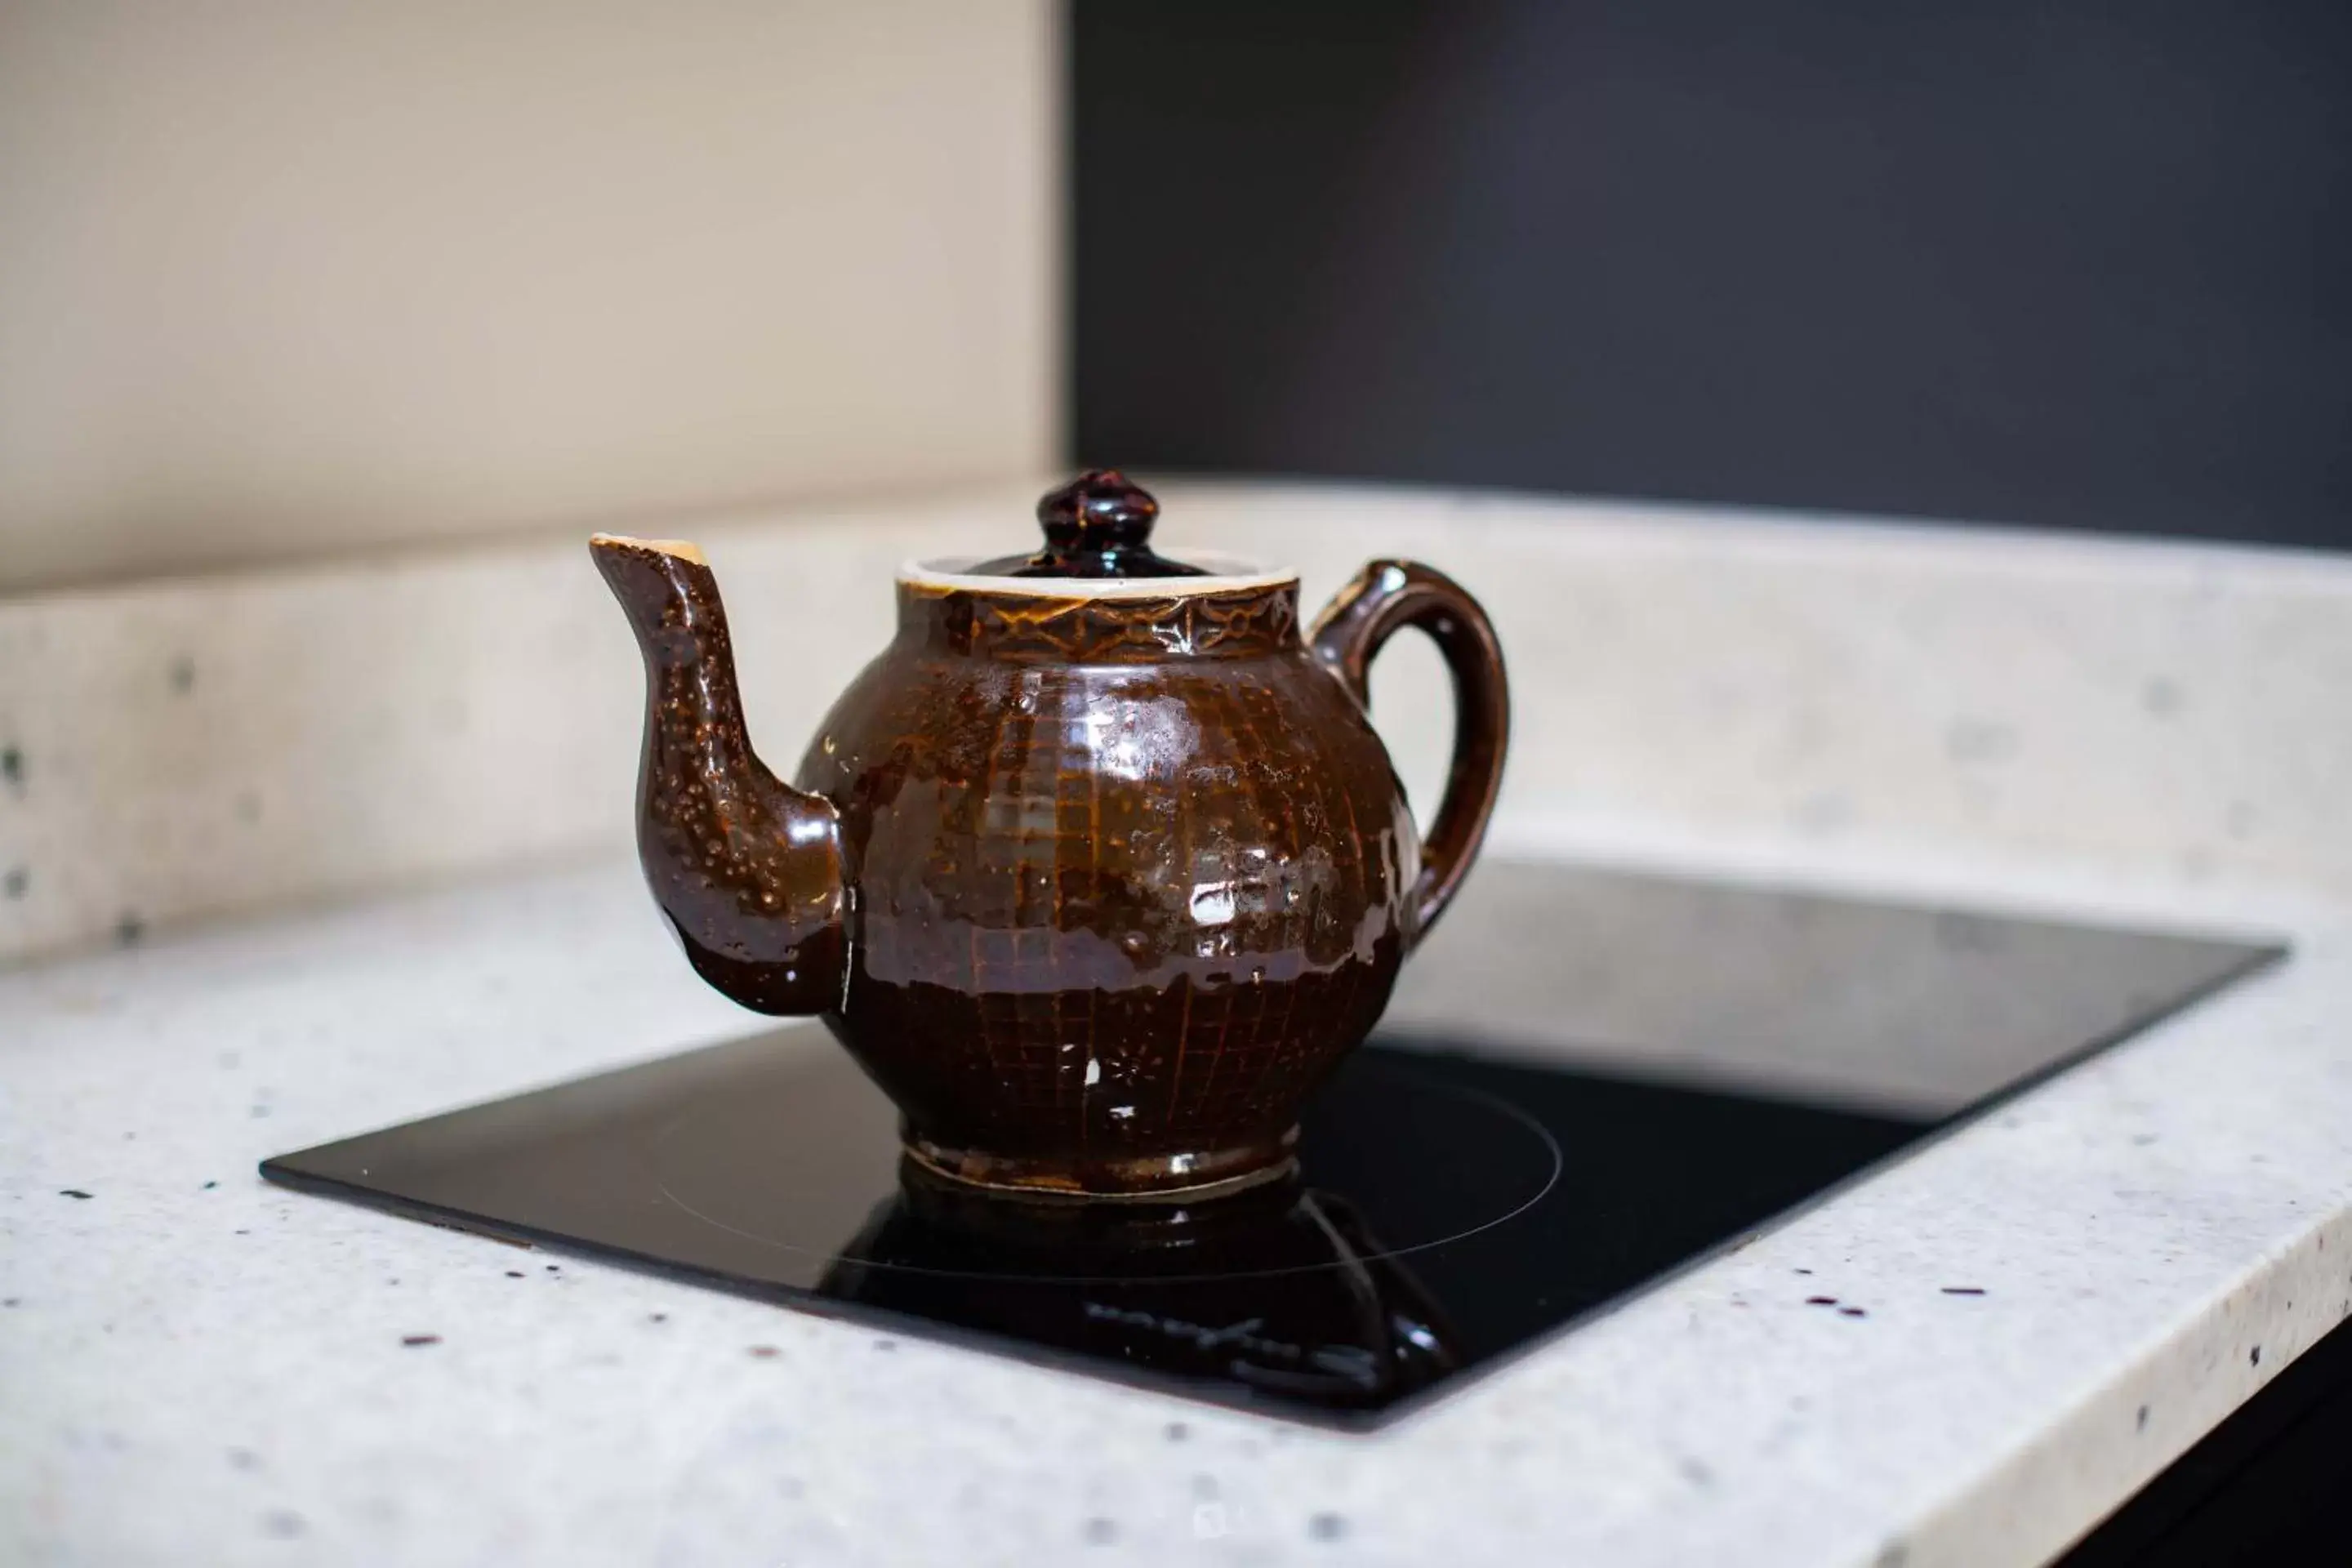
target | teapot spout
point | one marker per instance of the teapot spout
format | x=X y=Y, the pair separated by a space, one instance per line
x=748 y=869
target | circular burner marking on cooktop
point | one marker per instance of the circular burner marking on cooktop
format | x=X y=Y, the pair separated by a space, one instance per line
x=1393 y=1162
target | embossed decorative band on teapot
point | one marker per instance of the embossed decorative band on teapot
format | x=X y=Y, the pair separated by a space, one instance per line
x=1098 y=869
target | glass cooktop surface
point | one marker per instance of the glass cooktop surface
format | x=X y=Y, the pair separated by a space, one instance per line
x=1588 y=1081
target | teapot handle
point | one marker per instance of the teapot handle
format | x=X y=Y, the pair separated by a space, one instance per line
x=1386 y=597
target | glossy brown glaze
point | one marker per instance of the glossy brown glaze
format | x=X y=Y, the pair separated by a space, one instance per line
x=1118 y=906
x=1097 y=883
x=1386 y=597
x=748 y=870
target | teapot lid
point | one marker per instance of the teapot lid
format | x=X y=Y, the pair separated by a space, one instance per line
x=1096 y=526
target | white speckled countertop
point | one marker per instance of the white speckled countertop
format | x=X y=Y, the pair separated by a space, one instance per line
x=196 y=1367
x=234 y=1356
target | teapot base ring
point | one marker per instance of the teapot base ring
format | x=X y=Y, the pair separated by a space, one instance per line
x=1128 y=1179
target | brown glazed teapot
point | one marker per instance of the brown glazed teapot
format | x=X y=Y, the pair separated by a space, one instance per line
x=1098 y=869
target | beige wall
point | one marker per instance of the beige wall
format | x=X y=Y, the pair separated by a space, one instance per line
x=294 y=277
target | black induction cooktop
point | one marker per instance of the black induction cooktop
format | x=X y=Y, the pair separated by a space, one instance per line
x=1589 y=1081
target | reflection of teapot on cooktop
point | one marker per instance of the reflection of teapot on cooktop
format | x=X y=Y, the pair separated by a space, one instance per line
x=1098 y=869
x=1280 y=1287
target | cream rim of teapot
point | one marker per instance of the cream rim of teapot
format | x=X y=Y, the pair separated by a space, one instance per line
x=1223 y=574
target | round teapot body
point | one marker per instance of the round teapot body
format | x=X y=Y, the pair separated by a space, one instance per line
x=1130 y=871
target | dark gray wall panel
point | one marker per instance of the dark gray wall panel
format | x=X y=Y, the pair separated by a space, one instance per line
x=2065 y=266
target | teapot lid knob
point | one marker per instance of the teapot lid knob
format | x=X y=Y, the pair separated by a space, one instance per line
x=1102 y=509
x=1097 y=525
